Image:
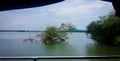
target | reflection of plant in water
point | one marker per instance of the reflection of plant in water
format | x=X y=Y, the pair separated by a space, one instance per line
x=102 y=50
x=29 y=39
x=53 y=33
x=61 y=48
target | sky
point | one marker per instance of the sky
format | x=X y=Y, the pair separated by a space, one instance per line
x=77 y=12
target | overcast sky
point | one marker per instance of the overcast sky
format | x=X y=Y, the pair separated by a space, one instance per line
x=78 y=12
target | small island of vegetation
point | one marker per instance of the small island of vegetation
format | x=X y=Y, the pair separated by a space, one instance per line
x=54 y=33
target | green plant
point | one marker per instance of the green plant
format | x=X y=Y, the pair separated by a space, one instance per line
x=106 y=30
x=53 y=33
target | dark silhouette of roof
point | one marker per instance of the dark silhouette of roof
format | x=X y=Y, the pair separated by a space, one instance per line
x=19 y=4
x=116 y=5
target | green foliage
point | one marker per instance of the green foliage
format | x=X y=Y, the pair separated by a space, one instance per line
x=51 y=31
x=106 y=30
x=54 y=33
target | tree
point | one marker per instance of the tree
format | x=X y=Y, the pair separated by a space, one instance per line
x=53 y=33
x=106 y=30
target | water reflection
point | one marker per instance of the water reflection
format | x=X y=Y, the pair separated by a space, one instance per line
x=101 y=50
x=98 y=49
x=29 y=39
x=59 y=49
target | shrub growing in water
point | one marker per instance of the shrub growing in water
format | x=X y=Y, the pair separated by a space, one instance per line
x=53 y=33
x=106 y=30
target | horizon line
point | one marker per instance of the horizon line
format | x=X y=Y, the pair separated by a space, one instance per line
x=38 y=31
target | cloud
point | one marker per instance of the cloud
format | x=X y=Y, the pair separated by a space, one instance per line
x=76 y=7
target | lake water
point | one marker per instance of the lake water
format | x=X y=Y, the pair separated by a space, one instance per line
x=13 y=44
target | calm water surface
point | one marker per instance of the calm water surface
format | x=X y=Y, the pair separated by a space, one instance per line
x=13 y=44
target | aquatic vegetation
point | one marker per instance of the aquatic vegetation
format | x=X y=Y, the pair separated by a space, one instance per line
x=54 y=33
x=106 y=30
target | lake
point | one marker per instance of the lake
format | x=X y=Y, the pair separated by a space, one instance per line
x=16 y=44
